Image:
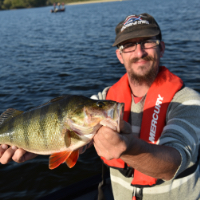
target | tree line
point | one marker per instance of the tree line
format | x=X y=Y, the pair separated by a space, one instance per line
x=16 y=4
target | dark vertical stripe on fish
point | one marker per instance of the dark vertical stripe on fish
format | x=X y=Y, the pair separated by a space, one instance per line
x=11 y=129
x=64 y=106
x=59 y=112
x=43 y=124
x=27 y=117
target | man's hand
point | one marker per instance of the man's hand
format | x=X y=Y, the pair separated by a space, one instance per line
x=109 y=143
x=13 y=153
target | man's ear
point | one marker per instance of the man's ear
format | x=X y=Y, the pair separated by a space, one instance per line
x=162 y=48
x=119 y=56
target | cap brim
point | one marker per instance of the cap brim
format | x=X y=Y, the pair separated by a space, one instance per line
x=136 y=34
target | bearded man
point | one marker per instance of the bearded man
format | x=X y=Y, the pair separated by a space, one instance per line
x=155 y=156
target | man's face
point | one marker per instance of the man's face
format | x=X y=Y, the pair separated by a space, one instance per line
x=142 y=65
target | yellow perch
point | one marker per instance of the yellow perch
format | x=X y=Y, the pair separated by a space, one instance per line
x=59 y=127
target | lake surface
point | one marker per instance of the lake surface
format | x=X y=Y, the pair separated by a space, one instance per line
x=44 y=55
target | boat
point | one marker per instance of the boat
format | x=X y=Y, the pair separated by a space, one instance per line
x=58 y=10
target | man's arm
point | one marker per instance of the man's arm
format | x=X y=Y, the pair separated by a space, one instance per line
x=157 y=161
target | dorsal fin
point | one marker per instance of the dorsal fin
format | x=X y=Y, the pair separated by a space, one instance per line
x=9 y=114
x=51 y=101
x=56 y=99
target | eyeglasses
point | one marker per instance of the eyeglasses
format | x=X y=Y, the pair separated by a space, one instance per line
x=131 y=46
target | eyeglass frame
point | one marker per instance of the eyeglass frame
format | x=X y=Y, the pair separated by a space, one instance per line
x=121 y=47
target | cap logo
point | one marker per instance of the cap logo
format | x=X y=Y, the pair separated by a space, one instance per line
x=132 y=20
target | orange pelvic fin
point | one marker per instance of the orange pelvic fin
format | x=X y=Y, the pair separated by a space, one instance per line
x=72 y=159
x=58 y=158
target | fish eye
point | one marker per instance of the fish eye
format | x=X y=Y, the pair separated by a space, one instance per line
x=100 y=104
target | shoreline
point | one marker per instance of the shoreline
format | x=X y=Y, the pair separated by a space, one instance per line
x=94 y=1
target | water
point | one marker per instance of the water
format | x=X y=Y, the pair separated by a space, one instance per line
x=44 y=55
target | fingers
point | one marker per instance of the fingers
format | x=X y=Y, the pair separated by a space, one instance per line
x=124 y=126
x=101 y=150
x=109 y=123
x=98 y=149
x=6 y=153
x=21 y=156
x=29 y=156
x=108 y=143
x=99 y=143
x=3 y=148
x=13 y=153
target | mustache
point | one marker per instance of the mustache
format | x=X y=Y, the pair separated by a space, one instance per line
x=146 y=58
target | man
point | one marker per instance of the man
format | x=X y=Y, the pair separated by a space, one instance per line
x=158 y=116
x=157 y=156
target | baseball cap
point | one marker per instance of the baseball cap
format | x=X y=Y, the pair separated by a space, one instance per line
x=135 y=26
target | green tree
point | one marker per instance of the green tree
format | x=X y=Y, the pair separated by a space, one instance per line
x=18 y=4
x=1 y=3
x=12 y=4
x=35 y=3
x=7 y=4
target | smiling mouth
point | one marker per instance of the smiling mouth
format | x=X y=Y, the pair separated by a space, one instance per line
x=144 y=59
x=141 y=61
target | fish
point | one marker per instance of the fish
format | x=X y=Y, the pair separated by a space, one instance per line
x=59 y=127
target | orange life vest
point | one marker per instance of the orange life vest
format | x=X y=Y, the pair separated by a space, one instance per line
x=157 y=100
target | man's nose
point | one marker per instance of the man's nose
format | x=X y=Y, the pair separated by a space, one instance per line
x=140 y=52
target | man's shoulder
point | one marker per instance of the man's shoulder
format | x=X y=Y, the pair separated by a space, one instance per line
x=186 y=94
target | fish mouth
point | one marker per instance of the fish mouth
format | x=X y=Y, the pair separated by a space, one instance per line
x=113 y=116
x=117 y=114
x=120 y=112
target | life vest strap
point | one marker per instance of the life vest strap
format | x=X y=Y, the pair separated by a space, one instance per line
x=137 y=193
x=126 y=171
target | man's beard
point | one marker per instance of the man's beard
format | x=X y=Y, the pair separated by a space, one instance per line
x=148 y=77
